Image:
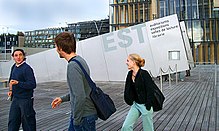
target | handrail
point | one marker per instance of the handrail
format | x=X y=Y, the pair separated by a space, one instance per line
x=174 y=70
x=169 y=70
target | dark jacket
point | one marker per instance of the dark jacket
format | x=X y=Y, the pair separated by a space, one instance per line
x=143 y=89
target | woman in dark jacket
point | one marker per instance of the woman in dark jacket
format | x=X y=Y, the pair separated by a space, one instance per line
x=138 y=94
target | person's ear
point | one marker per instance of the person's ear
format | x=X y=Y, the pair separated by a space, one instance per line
x=58 y=48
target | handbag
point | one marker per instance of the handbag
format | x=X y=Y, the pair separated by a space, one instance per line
x=157 y=102
x=158 y=98
x=102 y=102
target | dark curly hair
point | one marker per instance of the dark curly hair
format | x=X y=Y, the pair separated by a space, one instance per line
x=21 y=50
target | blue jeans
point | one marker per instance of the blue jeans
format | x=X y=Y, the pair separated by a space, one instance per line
x=88 y=124
x=22 y=111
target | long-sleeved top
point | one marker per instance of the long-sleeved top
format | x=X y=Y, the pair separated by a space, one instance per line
x=141 y=90
x=26 y=81
x=79 y=96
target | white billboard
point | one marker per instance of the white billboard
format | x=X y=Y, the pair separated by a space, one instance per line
x=159 y=42
x=187 y=44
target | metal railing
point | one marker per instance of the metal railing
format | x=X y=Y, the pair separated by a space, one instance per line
x=169 y=71
x=213 y=69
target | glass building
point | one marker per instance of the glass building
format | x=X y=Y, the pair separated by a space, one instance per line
x=88 y=29
x=7 y=41
x=41 y=38
x=44 y=38
x=200 y=16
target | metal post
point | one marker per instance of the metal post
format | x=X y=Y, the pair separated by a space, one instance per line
x=176 y=76
x=169 y=77
x=161 y=81
x=6 y=44
x=4 y=35
x=60 y=26
x=199 y=72
x=98 y=30
x=5 y=47
x=96 y=26
x=215 y=76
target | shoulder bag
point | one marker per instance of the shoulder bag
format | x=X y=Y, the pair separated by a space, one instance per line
x=159 y=98
x=103 y=103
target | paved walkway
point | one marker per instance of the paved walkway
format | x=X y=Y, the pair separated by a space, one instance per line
x=190 y=105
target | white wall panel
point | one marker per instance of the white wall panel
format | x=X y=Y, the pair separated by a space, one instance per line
x=48 y=66
x=115 y=56
x=5 y=69
x=187 y=44
x=92 y=51
x=106 y=54
x=141 y=46
x=165 y=35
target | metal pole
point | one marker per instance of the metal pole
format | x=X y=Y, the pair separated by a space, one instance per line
x=215 y=76
x=100 y=27
x=199 y=72
x=5 y=47
x=176 y=76
x=98 y=30
x=5 y=40
x=60 y=26
x=169 y=77
x=12 y=50
x=6 y=44
x=161 y=80
x=96 y=27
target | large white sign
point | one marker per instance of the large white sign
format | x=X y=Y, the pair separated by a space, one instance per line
x=187 y=44
x=106 y=54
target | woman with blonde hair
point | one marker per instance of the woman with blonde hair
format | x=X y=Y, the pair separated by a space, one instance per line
x=138 y=94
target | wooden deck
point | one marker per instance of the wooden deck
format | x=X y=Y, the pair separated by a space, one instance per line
x=190 y=105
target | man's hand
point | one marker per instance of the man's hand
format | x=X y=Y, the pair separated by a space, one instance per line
x=9 y=93
x=13 y=82
x=56 y=102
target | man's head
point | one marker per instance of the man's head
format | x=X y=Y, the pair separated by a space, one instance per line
x=18 y=56
x=65 y=43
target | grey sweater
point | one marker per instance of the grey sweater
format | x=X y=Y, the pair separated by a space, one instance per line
x=79 y=91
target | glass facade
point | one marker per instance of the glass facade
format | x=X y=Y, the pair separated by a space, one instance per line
x=82 y=30
x=7 y=41
x=41 y=38
x=88 y=29
x=201 y=18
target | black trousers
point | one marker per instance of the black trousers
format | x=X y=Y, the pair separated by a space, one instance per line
x=21 y=111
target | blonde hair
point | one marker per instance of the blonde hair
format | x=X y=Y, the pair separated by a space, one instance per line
x=137 y=59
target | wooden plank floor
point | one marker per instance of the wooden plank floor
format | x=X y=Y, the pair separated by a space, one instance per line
x=190 y=105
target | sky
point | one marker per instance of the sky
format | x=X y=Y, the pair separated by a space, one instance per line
x=28 y=15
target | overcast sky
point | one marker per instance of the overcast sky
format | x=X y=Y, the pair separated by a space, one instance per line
x=27 y=15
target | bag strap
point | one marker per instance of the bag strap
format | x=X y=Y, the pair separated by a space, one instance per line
x=89 y=80
x=143 y=79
